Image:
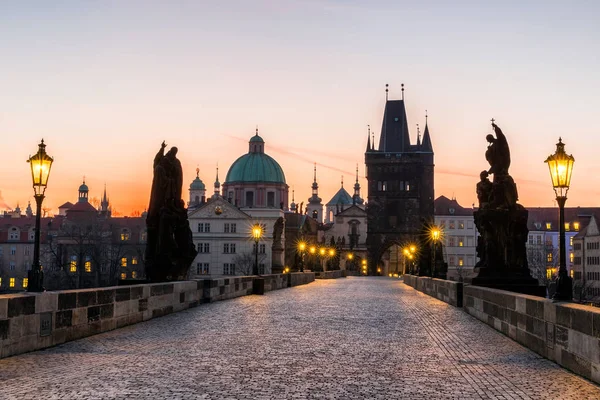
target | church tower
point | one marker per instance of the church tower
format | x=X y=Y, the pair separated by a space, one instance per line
x=105 y=204
x=400 y=185
x=314 y=208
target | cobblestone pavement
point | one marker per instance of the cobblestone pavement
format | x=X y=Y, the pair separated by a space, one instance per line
x=354 y=338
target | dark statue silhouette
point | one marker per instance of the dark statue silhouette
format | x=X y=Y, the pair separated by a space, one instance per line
x=502 y=225
x=169 y=249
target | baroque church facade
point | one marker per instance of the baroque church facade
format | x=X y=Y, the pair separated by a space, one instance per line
x=254 y=192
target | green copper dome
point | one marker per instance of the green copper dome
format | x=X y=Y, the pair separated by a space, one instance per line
x=197 y=184
x=256 y=138
x=255 y=167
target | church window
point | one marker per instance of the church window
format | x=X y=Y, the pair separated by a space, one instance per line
x=270 y=199
x=249 y=199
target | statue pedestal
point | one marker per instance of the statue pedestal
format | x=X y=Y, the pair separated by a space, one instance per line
x=501 y=249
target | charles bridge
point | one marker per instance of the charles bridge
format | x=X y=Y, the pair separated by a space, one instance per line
x=351 y=338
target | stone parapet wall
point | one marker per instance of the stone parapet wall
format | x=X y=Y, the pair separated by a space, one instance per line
x=330 y=274
x=566 y=333
x=33 y=321
x=450 y=292
x=301 y=278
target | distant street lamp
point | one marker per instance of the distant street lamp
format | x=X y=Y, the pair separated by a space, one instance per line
x=435 y=234
x=561 y=168
x=40 y=164
x=257 y=233
x=302 y=249
x=322 y=254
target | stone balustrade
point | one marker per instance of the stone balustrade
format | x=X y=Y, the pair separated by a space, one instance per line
x=335 y=274
x=33 y=321
x=450 y=292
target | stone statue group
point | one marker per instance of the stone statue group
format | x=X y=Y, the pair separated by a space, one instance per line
x=170 y=249
x=502 y=224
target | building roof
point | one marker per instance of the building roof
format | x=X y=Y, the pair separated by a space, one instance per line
x=82 y=206
x=255 y=166
x=540 y=217
x=341 y=197
x=426 y=144
x=68 y=204
x=445 y=206
x=394 y=129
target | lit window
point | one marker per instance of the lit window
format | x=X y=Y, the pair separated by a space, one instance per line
x=134 y=260
x=25 y=282
x=571 y=257
x=124 y=262
x=571 y=241
x=11 y=282
x=124 y=234
x=572 y=273
x=549 y=257
x=460 y=262
x=88 y=266
x=123 y=275
x=548 y=225
x=576 y=226
x=134 y=274
x=549 y=273
x=567 y=226
x=461 y=225
x=0 y=281
x=461 y=242
x=73 y=264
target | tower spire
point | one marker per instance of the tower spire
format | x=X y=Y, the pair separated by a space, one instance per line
x=402 y=85
x=386 y=91
x=356 y=172
x=315 y=173
x=217 y=184
x=342 y=180
x=369 y=137
x=426 y=144
x=418 y=136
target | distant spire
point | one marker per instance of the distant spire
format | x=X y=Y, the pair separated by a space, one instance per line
x=357 y=173
x=217 y=184
x=369 y=138
x=342 y=180
x=418 y=136
x=256 y=130
x=402 y=85
x=197 y=172
x=373 y=141
x=386 y=91
x=426 y=145
x=315 y=173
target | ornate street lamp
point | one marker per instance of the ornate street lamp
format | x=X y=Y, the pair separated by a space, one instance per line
x=40 y=164
x=561 y=168
x=257 y=233
x=302 y=249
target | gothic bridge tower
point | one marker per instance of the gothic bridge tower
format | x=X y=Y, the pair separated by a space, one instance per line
x=400 y=186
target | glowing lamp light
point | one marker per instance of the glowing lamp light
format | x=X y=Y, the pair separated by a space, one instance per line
x=256 y=232
x=561 y=169
x=40 y=164
x=413 y=248
x=435 y=234
x=312 y=250
x=350 y=256
x=331 y=252
x=301 y=246
x=322 y=251
x=364 y=262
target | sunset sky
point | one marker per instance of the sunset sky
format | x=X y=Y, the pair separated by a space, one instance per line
x=105 y=82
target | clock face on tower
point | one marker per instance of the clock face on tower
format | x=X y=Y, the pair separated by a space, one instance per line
x=218 y=210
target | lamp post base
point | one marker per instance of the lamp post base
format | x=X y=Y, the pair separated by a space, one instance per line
x=564 y=288
x=35 y=280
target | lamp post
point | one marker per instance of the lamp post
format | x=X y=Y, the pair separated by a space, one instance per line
x=322 y=254
x=302 y=248
x=313 y=251
x=40 y=164
x=435 y=233
x=256 y=235
x=350 y=257
x=561 y=168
